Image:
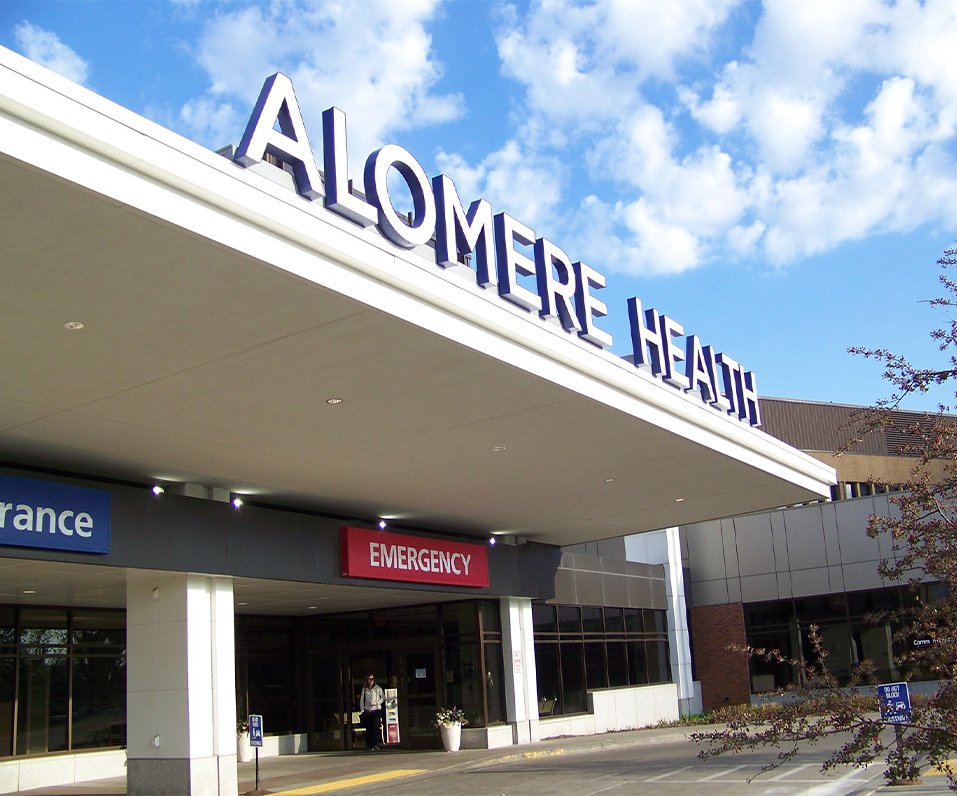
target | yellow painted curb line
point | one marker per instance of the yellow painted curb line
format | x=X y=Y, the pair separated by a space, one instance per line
x=531 y=755
x=325 y=787
x=936 y=772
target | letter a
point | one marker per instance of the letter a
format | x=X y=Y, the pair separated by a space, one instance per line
x=290 y=144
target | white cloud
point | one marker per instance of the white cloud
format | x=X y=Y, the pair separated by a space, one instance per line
x=47 y=50
x=826 y=122
x=373 y=58
x=522 y=184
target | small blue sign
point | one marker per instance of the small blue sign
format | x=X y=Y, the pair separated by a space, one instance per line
x=255 y=730
x=54 y=516
x=894 y=699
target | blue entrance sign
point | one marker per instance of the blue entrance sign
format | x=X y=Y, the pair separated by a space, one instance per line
x=894 y=699
x=255 y=730
x=54 y=516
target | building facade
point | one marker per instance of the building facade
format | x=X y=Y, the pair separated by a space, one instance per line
x=261 y=433
x=762 y=579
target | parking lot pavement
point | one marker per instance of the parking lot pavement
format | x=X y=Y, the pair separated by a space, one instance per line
x=658 y=762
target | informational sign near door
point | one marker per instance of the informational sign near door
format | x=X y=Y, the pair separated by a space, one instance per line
x=255 y=741
x=517 y=662
x=255 y=730
x=391 y=715
x=894 y=700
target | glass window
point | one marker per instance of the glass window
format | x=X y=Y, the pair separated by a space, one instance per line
x=42 y=704
x=659 y=667
x=617 y=664
x=43 y=626
x=637 y=664
x=459 y=619
x=549 y=679
x=8 y=675
x=591 y=620
x=491 y=617
x=569 y=619
x=104 y=629
x=633 y=623
x=614 y=621
x=596 y=675
x=543 y=618
x=8 y=628
x=99 y=701
x=655 y=622
x=573 y=677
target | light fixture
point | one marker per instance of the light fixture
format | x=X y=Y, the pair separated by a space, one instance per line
x=237 y=502
x=312 y=607
x=491 y=541
x=29 y=591
x=609 y=480
x=679 y=500
x=498 y=448
x=73 y=326
x=382 y=525
x=158 y=490
x=333 y=401
x=242 y=603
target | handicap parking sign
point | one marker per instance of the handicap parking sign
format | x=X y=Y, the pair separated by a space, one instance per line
x=894 y=700
x=255 y=730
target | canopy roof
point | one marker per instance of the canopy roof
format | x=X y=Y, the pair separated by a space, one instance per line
x=222 y=312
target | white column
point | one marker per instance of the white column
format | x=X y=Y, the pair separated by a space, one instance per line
x=664 y=547
x=181 y=685
x=521 y=684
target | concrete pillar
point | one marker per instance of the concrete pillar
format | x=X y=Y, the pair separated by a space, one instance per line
x=181 y=685
x=664 y=547
x=521 y=682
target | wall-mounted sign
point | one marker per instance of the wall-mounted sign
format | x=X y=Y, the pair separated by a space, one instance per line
x=392 y=556
x=548 y=284
x=54 y=516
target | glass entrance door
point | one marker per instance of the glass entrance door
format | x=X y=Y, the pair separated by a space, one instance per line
x=418 y=697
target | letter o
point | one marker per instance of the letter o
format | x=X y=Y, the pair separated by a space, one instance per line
x=419 y=232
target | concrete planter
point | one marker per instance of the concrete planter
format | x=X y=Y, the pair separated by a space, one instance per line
x=451 y=736
x=244 y=752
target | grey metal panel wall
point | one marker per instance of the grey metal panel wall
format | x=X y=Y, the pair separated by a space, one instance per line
x=589 y=580
x=794 y=552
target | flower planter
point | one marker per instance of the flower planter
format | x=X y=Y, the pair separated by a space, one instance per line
x=244 y=751
x=451 y=736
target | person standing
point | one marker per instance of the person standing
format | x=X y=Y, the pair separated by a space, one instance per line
x=372 y=705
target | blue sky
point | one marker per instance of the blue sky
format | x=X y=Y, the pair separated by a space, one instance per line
x=778 y=177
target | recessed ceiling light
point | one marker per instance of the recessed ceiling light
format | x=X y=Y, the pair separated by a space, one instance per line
x=333 y=401
x=609 y=480
x=73 y=326
x=498 y=448
x=679 y=500
x=242 y=603
x=29 y=591
x=312 y=607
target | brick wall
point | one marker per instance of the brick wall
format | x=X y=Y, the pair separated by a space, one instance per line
x=724 y=675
